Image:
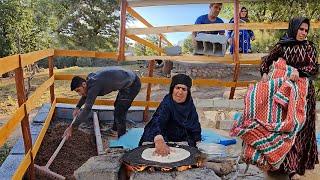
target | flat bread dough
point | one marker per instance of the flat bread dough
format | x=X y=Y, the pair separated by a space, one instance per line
x=176 y=154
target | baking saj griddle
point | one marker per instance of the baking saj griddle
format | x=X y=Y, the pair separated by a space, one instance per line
x=133 y=160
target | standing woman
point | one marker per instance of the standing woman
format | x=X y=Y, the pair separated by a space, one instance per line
x=302 y=55
x=245 y=35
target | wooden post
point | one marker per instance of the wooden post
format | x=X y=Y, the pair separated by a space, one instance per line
x=122 y=33
x=51 y=65
x=150 y=74
x=236 y=47
x=21 y=95
x=160 y=39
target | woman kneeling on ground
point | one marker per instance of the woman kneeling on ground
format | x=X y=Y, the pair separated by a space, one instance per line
x=176 y=118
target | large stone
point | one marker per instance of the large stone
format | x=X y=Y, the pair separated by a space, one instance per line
x=100 y=168
x=191 y=174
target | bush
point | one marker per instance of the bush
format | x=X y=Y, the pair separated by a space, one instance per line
x=84 y=62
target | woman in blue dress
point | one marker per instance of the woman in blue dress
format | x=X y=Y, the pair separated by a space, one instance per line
x=245 y=36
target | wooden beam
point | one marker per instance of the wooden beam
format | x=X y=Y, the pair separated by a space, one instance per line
x=9 y=63
x=80 y=53
x=145 y=42
x=144 y=3
x=35 y=56
x=227 y=59
x=68 y=76
x=10 y=126
x=43 y=131
x=136 y=15
x=122 y=33
x=97 y=133
x=210 y=27
x=31 y=102
x=166 y=81
x=236 y=71
x=180 y=28
x=150 y=74
x=51 y=65
x=21 y=94
x=107 y=102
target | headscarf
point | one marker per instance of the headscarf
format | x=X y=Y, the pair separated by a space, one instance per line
x=246 y=18
x=181 y=79
x=294 y=25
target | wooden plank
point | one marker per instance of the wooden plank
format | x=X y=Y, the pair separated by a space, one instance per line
x=74 y=53
x=108 y=102
x=31 y=102
x=9 y=63
x=210 y=27
x=153 y=80
x=97 y=133
x=196 y=82
x=145 y=42
x=143 y=3
x=68 y=76
x=22 y=168
x=122 y=33
x=136 y=15
x=179 y=28
x=10 y=126
x=227 y=59
x=35 y=56
x=51 y=65
x=106 y=55
x=44 y=129
x=80 y=53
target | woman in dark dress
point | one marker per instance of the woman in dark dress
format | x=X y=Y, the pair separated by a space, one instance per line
x=176 y=118
x=301 y=54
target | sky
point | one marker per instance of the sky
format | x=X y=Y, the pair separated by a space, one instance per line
x=171 y=15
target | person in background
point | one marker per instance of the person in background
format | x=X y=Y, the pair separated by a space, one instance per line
x=101 y=83
x=245 y=35
x=210 y=18
x=176 y=118
x=302 y=55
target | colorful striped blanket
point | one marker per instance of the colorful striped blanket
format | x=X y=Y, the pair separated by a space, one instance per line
x=274 y=113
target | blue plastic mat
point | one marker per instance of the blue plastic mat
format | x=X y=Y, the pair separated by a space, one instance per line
x=318 y=141
x=131 y=139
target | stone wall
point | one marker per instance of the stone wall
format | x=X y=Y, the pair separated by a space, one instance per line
x=214 y=70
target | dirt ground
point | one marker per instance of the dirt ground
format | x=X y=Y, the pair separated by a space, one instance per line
x=72 y=155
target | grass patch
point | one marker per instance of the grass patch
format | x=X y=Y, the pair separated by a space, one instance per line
x=4 y=152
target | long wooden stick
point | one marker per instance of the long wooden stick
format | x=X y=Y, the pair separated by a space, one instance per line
x=97 y=134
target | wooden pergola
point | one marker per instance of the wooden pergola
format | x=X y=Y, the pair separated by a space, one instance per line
x=17 y=62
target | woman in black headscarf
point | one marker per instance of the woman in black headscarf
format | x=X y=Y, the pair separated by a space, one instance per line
x=176 y=118
x=302 y=55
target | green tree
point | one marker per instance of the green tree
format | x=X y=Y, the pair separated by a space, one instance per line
x=142 y=50
x=187 y=45
x=90 y=25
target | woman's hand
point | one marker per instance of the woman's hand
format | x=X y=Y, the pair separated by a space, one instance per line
x=162 y=148
x=294 y=76
x=253 y=38
x=67 y=133
x=265 y=77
